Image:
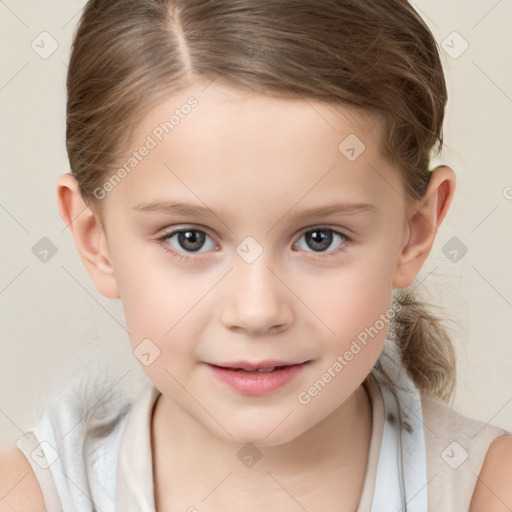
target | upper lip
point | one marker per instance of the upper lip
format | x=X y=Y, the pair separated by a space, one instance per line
x=246 y=365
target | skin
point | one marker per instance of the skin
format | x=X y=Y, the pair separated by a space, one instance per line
x=260 y=161
x=493 y=491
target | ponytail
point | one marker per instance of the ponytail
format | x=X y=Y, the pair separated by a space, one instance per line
x=426 y=350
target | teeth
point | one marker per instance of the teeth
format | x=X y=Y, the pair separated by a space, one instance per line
x=259 y=370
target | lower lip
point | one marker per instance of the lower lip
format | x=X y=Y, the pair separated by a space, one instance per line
x=257 y=383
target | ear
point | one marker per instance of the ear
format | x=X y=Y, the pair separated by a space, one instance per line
x=424 y=220
x=89 y=236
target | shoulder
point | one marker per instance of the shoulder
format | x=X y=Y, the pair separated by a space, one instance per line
x=19 y=488
x=456 y=448
x=444 y=421
x=81 y=424
x=493 y=490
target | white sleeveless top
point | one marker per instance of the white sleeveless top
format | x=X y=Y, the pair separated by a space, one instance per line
x=93 y=453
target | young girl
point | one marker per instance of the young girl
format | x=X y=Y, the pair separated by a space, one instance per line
x=253 y=180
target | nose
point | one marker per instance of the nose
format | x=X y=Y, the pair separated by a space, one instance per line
x=258 y=302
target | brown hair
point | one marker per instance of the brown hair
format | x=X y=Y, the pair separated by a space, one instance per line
x=377 y=57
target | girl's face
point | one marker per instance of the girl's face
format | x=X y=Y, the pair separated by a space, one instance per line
x=248 y=268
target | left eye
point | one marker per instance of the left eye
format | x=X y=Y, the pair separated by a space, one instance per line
x=319 y=239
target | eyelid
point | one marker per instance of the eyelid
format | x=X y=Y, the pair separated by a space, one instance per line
x=345 y=231
x=336 y=229
x=192 y=227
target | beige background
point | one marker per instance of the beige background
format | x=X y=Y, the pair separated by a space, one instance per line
x=51 y=315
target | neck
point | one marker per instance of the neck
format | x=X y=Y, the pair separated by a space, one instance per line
x=189 y=462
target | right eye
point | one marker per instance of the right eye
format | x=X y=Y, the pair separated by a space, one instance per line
x=190 y=240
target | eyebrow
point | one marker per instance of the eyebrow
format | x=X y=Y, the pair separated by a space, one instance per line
x=187 y=209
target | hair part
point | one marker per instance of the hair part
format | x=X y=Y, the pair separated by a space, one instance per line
x=377 y=58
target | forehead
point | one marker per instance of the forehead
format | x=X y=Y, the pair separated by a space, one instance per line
x=222 y=145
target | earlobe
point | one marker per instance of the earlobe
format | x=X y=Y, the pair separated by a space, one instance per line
x=88 y=235
x=424 y=221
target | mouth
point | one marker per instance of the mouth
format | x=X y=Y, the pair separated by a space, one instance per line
x=257 y=378
x=261 y=367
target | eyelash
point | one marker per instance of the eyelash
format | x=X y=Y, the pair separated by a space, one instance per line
x=163 y=239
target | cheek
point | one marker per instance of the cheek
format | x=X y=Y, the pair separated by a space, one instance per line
x=359 y=318
x=349 y=298
x=155 y=301
x=352 y=309
x=162 y=321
